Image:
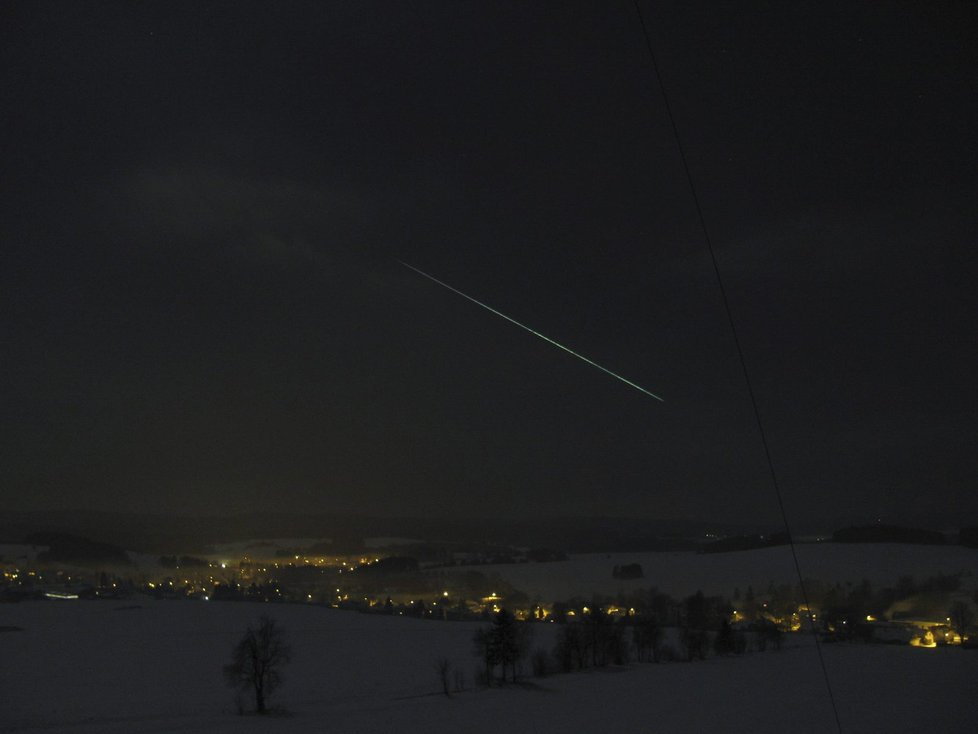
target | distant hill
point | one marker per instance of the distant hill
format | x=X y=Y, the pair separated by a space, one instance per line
x=969 y=537
x=391 y=566
x=195 y=535
x=67 y=548
x=888 y=534
x=745 y=542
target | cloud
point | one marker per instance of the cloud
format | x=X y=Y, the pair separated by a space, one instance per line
x=267 y=222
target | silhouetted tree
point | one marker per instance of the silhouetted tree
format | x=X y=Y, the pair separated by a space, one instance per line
x=695 y=608
x=750 y=605
x=646 y=636
x=961 y=617
x=725 y=642
x=569 y=649
x=506 y=640
x=694 y=642
x=505 y=644
x=257 y=661
x=604 y=639
x=483 y=648
x=767 y=632
x=696 y=618
x=628 y=571
x=541 y=663
x=443 y=667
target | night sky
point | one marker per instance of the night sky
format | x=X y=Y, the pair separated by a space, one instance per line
x=203 y=205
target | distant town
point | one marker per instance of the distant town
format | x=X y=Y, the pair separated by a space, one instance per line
x=454 y=581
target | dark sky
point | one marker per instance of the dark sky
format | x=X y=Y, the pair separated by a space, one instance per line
x=203 y=204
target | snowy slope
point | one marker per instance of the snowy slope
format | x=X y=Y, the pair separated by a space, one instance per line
x=681 y=574
x=87 y=667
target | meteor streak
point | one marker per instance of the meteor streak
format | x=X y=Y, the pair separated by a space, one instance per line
x=535 y=333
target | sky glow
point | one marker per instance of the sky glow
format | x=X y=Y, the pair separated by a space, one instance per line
x=196 y=273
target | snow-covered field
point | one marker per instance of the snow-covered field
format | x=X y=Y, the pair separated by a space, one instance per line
x=87 y=667
x=681 y=574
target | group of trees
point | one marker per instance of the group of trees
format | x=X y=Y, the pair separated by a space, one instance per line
x=596 y=638
x=628 y=571
x=647 y=639
x=75 y=550
x=593 y=638
x=845 y=607
x=699 y=624
x=961 y=618
x=502 y=646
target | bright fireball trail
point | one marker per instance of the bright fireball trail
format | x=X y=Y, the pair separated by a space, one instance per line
x=535 y=333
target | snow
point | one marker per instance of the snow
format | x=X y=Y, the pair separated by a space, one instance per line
x=681 y=573
x=90 y=667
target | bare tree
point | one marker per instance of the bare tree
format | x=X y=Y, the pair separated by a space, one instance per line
x=484 y=647
x=459 y=678
x=257 y=660
x=961 y=618
x=647 y=638
x=541 y=662
x=443 y=667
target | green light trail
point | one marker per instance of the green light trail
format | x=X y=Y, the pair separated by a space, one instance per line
x=532 y=331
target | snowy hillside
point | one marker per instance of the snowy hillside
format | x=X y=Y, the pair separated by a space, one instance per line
x=680 y=574
x=87 y=667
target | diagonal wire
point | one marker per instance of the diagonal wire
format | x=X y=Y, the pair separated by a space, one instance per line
x=740 y=355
